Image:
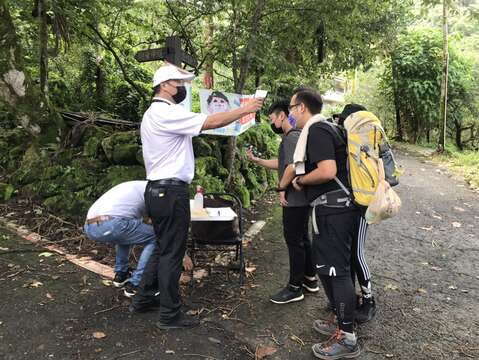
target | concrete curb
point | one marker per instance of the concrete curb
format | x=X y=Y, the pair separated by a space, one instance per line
x=84 y=262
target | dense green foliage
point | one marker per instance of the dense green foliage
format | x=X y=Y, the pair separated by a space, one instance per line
x=394 y=55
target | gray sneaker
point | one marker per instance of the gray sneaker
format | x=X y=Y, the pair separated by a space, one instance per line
x=326 y=327
x=340 y=346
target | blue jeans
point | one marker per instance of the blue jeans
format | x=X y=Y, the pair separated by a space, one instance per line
x=124 y=232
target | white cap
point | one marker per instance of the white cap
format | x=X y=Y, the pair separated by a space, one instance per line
x=171 y=72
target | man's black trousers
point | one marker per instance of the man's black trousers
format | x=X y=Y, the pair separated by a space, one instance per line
x=295 y=230
x=169 y=209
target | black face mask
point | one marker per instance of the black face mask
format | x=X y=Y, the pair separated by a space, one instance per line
x=180 y=94
x=277 y=130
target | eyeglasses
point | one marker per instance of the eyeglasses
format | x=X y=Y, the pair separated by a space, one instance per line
x=290 y=107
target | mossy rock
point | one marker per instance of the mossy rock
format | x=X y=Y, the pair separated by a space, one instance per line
x=31 y=167
x=72 y=205
x=244 y=195
x=206 y=165
x=92 y=131
x=139 y=157
x=117 y=174
x=209 y=183
x=201 y=146
x=125 y=154
x=64 y=157
x=91 y=147
x=6 y=191
x=121 y=148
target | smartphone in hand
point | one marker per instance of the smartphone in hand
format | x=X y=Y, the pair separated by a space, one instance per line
x=261 y=94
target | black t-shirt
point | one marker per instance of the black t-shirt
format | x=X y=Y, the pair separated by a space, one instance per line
x=324 y=145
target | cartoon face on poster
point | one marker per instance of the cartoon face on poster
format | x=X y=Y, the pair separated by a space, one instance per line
x=213 y=101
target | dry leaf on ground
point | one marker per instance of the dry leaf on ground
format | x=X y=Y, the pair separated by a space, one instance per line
x=426 y=228
x=200 y=274
x=264 y=351
x=46 y=254
x=34 y=284
x=390 y=287
x=99 y=335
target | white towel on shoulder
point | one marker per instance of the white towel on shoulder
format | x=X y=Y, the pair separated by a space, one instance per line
x=299 y=156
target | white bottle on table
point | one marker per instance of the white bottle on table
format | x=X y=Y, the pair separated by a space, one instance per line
x=198 y=199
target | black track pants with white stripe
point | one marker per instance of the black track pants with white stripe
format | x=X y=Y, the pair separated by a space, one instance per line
x=359 y=266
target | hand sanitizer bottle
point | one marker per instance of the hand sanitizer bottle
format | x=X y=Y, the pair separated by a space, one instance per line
x=198 y=199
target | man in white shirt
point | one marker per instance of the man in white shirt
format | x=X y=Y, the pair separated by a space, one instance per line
x=117 y=218
x=167 y=130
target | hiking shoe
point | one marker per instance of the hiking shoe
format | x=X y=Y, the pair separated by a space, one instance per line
x=366 y=311
x=182 y=321
x=143 y=307
x=311 y=285
x=341 y=346
x=326 y=327
x=130 y=290
x=120 y=279
x=289 y=294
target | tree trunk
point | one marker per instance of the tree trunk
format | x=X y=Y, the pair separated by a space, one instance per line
x=43 y=45
x=399 y=129
x=458 y=136
x=208 y=77
x=442 y=137
x=240 y=80
x=399 y=132
x=18 y=97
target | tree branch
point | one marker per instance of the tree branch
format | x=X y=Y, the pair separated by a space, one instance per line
x=110 y=48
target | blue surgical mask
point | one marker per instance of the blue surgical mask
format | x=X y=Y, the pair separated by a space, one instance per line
x=292 y=120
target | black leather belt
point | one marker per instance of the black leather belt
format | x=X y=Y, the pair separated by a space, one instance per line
x=171 y=181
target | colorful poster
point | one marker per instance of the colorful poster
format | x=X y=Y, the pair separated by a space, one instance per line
x=213 y=101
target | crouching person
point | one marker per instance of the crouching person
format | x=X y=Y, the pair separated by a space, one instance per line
x=116 y=218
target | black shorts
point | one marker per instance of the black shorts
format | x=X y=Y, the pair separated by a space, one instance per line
x=332 y=246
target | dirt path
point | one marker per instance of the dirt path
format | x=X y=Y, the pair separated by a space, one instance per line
x=425 y=276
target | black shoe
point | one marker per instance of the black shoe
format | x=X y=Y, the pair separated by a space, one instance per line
x=311 y=285
x=144 y=307
x=120 y=279
x=130 y=290
x=182 y=321
x=366 y=311
x=289 y=294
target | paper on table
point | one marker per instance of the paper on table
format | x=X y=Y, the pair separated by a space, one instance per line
x=199 y=212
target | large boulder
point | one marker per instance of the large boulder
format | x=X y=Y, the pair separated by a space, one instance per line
x=122 y=148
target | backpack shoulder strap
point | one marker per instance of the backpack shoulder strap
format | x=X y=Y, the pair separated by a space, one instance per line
x=339 y=133
x=336 y=131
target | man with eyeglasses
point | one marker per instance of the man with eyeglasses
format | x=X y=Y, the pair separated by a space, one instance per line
x=335 y=221
x=166 y=134
x=302 y=273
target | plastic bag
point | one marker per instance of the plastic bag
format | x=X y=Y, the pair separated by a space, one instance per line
x=385 y=203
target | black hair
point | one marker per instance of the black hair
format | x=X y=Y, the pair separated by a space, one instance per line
x=310 y=98
x=217 y=94
x=278 y=106
x=348 y=110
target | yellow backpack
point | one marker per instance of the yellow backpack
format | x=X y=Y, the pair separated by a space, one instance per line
x=364 y=134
